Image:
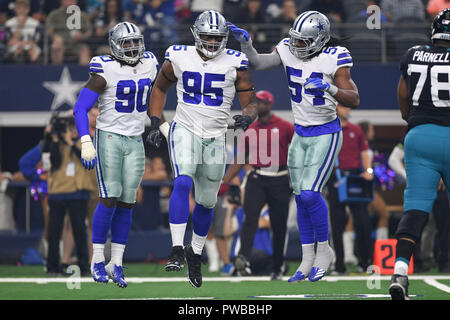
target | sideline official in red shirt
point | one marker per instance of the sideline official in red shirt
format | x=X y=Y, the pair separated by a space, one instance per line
x=267 y=182
x=354 y=158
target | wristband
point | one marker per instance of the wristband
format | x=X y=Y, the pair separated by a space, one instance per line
x=333 y=90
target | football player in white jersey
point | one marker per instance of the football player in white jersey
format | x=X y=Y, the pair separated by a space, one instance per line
x=318 y=76
x=121 y=82
x=207 y=77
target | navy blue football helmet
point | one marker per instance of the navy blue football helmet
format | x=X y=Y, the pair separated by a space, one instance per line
x=440 y=28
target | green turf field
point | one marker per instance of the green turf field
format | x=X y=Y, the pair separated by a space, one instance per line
x=150 y=281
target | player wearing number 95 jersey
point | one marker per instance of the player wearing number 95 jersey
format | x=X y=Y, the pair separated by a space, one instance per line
x=424 y=98
x=207 y=77
x=121 y=82
x=318 y=75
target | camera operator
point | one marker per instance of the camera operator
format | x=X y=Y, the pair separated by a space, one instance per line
x=69 y=187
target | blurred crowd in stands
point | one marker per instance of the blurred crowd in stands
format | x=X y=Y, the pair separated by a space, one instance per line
x=38 y=31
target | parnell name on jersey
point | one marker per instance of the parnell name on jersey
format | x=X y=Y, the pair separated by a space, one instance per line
x=432 y=57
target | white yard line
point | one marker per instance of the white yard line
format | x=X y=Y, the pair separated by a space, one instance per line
x=440 y=286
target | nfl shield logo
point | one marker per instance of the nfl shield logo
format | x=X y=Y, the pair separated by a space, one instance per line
x=134 y=71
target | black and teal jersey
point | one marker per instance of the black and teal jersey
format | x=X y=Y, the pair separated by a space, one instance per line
x=426 y=70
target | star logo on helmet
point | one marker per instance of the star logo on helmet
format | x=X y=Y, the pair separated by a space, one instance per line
x=320 y=26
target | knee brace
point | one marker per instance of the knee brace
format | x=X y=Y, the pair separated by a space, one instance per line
x=411 y=225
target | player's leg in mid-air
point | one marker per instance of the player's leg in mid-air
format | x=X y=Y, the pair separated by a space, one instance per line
x=207 y=182
x=181 y=143
x=133 y=166
x=425 y=163
x=119 y=174
x=310 y=162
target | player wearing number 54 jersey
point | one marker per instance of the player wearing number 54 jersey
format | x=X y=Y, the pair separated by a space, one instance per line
x=318 y=76
x=207 y=77
x=121 y=82
x=424 y=98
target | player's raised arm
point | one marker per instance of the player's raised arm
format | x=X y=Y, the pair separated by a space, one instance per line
x=402 y=97
x=86 y=99
x=165 y=79
x=247 y=99
x=259 y=61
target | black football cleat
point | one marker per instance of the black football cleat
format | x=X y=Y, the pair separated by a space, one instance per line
x=194 y=263
x=398 y=288
x=176 y=259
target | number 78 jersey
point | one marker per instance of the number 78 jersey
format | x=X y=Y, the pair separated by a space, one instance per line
x=205 y=89
x=123 y=104
x=312 y=107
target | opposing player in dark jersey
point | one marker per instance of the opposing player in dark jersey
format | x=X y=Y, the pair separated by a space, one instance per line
x=424 y=99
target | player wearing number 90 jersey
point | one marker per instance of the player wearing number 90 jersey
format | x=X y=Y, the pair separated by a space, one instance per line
x=423 y=94
x=318 y=76
x=207 y=77
x=121 y=82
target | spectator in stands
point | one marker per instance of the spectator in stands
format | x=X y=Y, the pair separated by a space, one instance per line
x=108 y=18
x=288 y=13
x=133 y=10
x=23 y=35
x=95 y=8
x=363 y=15
x=436 y=6
x=354 y=159
x=7 y=7
x=69 y=187
x=252 y=12
x=3 y=35
x=403 y=11
x=68 y=45
x=182 y=11
x=333 y=9
x=198 y=6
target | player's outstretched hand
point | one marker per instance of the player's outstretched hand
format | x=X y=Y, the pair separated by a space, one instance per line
x=242 y=122
x=88 y=153
x=240 y=34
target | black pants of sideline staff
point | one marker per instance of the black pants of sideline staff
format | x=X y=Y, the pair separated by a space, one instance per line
x=77 y=212
x=276 y=192
x=361 y=222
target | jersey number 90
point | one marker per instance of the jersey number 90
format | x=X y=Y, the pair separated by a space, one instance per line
x=131 y=95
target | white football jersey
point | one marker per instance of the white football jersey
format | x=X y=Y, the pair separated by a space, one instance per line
x=310 y=107
x=123 y=104
x=205 y=89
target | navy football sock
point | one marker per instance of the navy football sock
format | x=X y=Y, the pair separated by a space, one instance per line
x=318 y=211
x=101 y=223
x=120 y=224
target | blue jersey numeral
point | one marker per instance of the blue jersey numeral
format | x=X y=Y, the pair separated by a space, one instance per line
x=192 y=84
x=330 y=50
x=296 y=87
x=126 y=94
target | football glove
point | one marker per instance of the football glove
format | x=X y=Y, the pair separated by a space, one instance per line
x=88 y=153
x=240 y=34
x=319 y=84
x=242 y=122
x=234 y=195
x=154 y=137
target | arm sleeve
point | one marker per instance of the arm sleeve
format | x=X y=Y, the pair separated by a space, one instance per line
x=27 y=163
x=261 y=61
x=85 y=102
x=395 y=161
